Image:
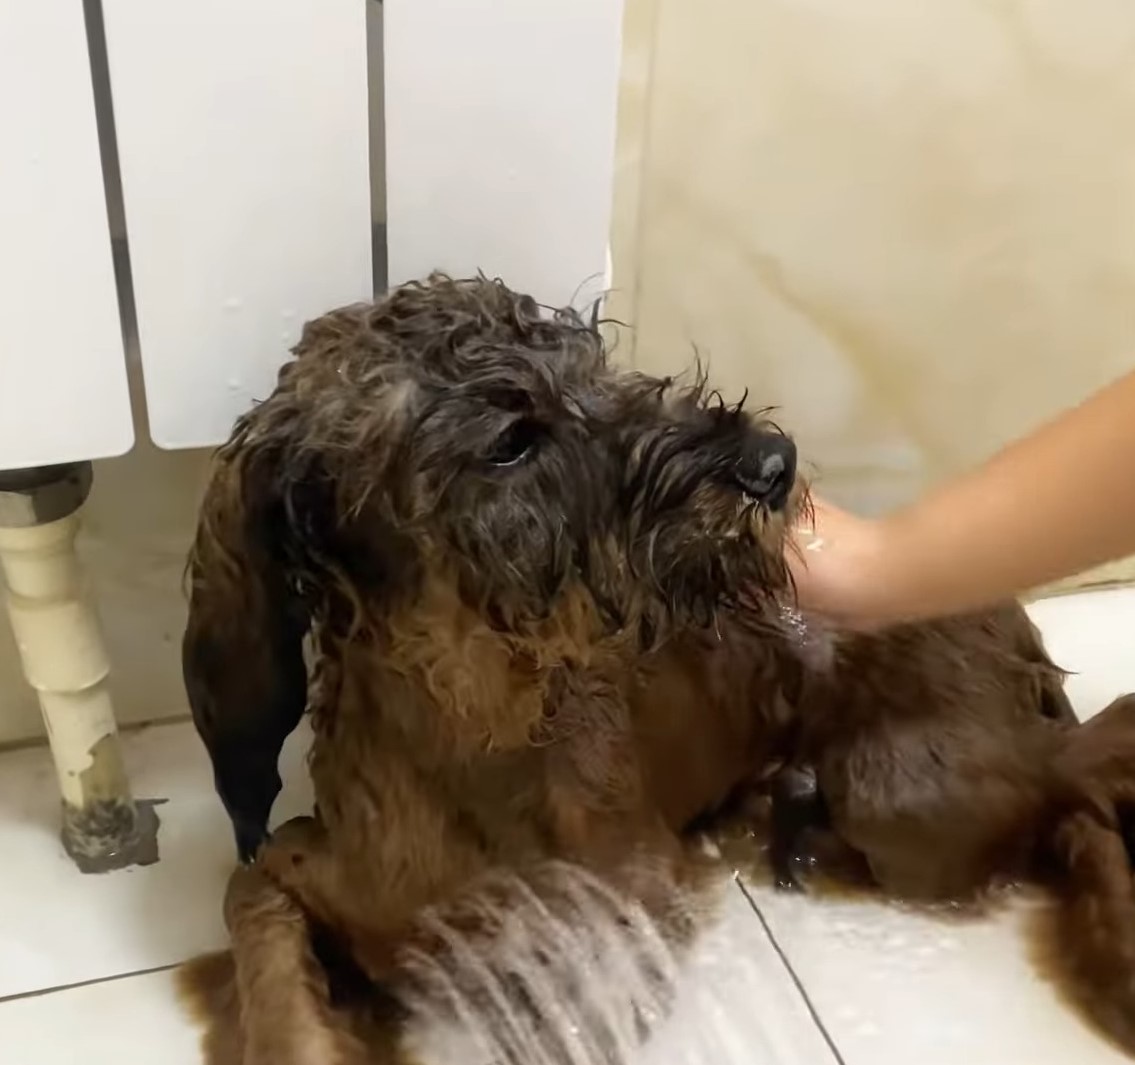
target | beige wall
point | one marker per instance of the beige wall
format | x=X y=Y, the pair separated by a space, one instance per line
x=910 y=223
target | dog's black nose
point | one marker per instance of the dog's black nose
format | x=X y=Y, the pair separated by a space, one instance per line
x=767 y=469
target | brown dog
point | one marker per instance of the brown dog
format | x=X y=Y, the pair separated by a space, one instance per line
x=542 y=595
x=483 y=526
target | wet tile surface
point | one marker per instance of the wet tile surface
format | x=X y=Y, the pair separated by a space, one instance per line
x=59 y=927
x=894 y=986
x=114 y=1022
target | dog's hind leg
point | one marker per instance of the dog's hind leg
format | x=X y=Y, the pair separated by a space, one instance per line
x=1093 y=928
x=1099 y=756
x=940 y=808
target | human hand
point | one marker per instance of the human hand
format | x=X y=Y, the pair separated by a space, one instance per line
x=839 y=565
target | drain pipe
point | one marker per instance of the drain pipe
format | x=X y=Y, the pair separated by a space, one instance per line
x=64 y=659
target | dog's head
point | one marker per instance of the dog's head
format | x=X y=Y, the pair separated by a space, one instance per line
x=454 y=432
x=453 y=443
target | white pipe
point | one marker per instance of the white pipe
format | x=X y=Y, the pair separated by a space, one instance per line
x=65 y=661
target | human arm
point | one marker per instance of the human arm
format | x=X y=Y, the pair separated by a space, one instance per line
x=1048 y=506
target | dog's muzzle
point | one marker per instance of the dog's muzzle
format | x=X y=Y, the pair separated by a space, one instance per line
x=766 y=469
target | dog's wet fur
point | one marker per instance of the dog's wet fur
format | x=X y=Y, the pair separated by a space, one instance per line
x=543 y=598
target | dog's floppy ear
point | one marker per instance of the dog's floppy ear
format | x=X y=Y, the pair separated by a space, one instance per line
x=242 y=655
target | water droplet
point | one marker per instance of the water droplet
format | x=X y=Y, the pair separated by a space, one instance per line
x=566 y=932
x=710 y=848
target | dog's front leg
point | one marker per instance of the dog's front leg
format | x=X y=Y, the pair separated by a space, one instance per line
x=286 y=1017
x=797 y=807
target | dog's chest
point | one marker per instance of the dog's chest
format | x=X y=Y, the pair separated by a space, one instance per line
x=388 y=754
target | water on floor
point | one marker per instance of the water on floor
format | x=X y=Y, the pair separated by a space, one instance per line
x=85 y=962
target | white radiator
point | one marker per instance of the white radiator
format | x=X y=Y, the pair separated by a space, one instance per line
x=242 y=136
x=63 y=391
x=239 y=151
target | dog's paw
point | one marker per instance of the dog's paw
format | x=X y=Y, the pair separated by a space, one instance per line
x=250 y=888
x=790 y=874
x=287 y=855
x=299 y=832
x=789 y=884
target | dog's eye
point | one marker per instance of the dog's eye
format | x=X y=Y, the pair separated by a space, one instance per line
x=516 y=443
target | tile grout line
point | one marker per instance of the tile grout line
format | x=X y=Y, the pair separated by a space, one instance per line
x=813 y=1012
x=42 y=991
x=125 y=729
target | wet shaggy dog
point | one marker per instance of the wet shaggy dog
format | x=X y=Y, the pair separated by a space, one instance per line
x=543 y=602
x=483 y=526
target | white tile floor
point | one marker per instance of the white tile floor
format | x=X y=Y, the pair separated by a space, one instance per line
x=84 y=961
